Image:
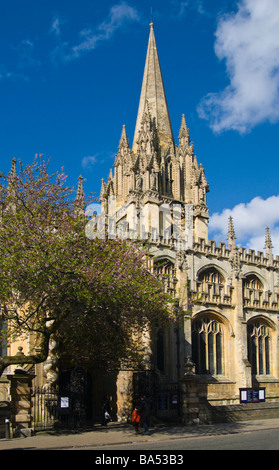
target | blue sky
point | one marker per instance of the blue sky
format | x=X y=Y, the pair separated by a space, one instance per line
x=70 y=77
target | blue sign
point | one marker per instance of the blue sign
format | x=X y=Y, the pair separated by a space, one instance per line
x=251 y=395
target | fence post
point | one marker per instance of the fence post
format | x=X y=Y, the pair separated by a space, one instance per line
x=190 y=394
x=21 y=388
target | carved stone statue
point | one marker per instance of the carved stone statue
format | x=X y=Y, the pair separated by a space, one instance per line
x=138 y=181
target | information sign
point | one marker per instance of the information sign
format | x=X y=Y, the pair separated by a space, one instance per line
x=64 y=402
x=252 y=395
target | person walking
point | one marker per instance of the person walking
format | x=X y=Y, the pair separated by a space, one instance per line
x=136 y=419
x=105 y=410
x=144 y=409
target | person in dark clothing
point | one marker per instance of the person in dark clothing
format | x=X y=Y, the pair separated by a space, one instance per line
x=105 y=410
x=144 y=409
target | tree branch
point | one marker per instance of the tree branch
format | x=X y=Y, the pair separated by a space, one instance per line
x=21 y=359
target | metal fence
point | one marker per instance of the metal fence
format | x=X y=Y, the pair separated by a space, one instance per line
x=51 y=410
x=45 y=408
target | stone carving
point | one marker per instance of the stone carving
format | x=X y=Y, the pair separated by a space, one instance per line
x=50 y=366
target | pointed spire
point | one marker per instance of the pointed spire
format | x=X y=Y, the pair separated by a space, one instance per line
x=103 y=189
x=13 y=169
x=124 y=142
x=231 y=234
x=153 y=92
x=183 y=132
x=268 y=242
x=80 y=191
x=268 y=246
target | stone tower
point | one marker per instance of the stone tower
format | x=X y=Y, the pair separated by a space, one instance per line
x=230 y=296
x=155 y=171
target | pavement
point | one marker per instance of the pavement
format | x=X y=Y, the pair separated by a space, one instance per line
x=100 y=437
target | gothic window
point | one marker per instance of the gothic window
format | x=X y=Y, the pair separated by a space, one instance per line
x=210 y=280
x=164 y=267
x=251 y=286
x=252 y=282
x=259 y=348
x=207 y=346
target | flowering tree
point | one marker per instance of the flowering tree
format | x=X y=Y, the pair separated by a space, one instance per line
x=94 y=295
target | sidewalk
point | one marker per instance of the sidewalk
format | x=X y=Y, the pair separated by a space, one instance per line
x=118 y=434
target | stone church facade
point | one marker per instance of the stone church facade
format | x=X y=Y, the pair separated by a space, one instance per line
x=229 y=294
x=228 y=338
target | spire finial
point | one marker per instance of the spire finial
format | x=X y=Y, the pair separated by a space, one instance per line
x=80 y=192
x=124 y=142
x=151 y=17
x=268 y=242
x=13 y=168
x=231 y=233
x=268 y=246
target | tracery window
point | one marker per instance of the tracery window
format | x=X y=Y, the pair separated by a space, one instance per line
x=259 y=348
x=165 y=270
x=207 y=346
x=164 y=267
x=252 y=282
x=210 y=279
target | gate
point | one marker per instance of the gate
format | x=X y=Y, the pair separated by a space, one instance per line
x=67 y=406
x=164 y=396
x=45 y=408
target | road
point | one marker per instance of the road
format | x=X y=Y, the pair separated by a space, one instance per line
x=254 y=440
x=250 y=435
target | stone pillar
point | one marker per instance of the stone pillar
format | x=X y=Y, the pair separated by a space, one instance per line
x=21 y=389
x=124 y=396
x=190 y=397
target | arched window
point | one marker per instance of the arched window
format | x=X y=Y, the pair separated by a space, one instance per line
x=252 y=282
x=164 y=267
x=259 y=348
x=207 y=346
x=211 y=275
x=210 y=280
x=252 y=290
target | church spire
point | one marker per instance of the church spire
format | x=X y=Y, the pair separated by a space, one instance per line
x=184 y=139
x=268 y=245
x=124 y=142
x=13 y=169
x=153 y=92
x=80 y=191
x=231 y=234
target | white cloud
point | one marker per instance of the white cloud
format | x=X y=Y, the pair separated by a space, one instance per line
x=248 y=42
x=118 y=16
x=55 y=27
x=7 y=75
x=250 y=221
x=197 y=5
x=88 y=162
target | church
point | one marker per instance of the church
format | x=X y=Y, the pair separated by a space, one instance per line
x=229 y=294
